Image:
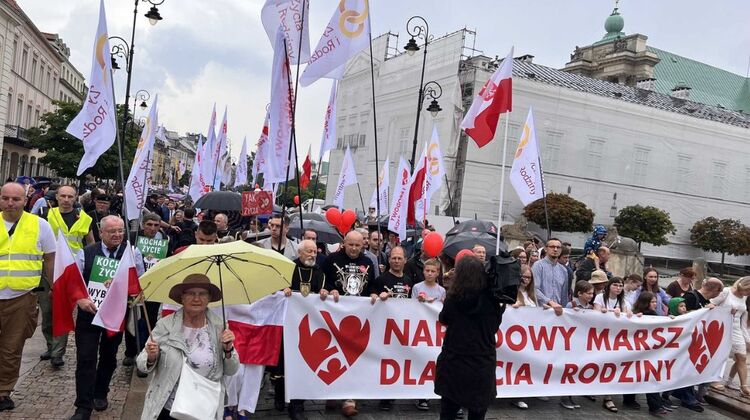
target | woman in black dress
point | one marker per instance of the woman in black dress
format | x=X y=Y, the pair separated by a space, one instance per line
x=465 y=374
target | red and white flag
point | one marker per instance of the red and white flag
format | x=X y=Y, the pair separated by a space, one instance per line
x=261 y=152
x=258 y=328
x=526 y=172
x=496 y=97
x=240 y=177
x=139 y=179
x=68 y=288
x=304 y=179
x=397 y=220
x=328 y=141
x=96 y=123
x=219 y=150
x=111 y=314
x=416 y=189
x=347 y=176
x=347 y=33
x=280 y=112
x=433 y=176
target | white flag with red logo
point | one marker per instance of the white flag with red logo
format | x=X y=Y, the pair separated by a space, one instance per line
x=196 y=190
x=416 y=189
x=136 y=187
x=526 y=172
x=96 y=123
x=280 y=112
x=328 y=141
x=288 y=15
x=240 y=176
x=111 y=313
x=433 y=177
x=261 y=152
x=347 y=176
x=496 y=97
x=68 y=288
x=347 y=33
x=399 y=204
x=381 y=190
x=208 y=166
x=217 y=154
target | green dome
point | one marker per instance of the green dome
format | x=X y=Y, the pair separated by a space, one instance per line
x=614 y=23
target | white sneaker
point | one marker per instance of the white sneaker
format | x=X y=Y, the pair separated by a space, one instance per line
x=520 y=404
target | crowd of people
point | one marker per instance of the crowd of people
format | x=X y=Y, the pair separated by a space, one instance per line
x=369 y=262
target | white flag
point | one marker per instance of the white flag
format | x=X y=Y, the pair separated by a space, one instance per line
x=526 y=172
x=399 y=204
x=96 y=123
x=280 y=111
x=261 y=152
x=328 y=141
x=434 y=174
x=382 y=189
x=240 y=176
x=220 y=148
x=208 y=166
x=347 y=176
x=196 y=190
x=287 y=15
x=136 y=187
x=347 y=33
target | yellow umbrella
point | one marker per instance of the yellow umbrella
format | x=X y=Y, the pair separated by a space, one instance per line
x=243 y=272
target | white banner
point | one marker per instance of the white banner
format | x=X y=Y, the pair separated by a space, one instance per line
x=352 y=349
x=526 y=172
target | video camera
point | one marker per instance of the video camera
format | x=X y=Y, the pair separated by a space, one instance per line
x=504 y=274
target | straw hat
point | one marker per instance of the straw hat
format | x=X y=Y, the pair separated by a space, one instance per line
x=598 y=277
x=191 y=281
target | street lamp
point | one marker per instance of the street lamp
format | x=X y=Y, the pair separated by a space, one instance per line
x=433 y=90
x=422 y=31
x=143 y=96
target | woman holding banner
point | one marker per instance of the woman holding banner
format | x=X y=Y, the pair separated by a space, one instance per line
x=465 y=374
x=735 y=297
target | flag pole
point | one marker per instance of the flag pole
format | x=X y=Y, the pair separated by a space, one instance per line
x=544 y=197
x=361 y=201
x=375 y=130
x=502 y=186
x=315 y=187
x=119 y=151
x=450 y=200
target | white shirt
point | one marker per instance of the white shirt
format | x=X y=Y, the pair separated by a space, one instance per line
x=45 y=242
x=611 y=303
x=139 y=267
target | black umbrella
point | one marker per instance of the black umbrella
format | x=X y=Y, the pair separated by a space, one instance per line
x=474 y=226
x=220 y=200
x=466 y=240
x=308 y=216
x=326 y=232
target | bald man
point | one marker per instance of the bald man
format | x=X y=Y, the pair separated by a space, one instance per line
x=27 y=249
x=697 y=299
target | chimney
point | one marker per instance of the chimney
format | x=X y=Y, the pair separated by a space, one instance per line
x=681 y=91
x=646 y=84
x=526 y=58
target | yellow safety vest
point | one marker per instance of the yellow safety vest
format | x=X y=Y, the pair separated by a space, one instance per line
x=20 y=256
x=77 y=232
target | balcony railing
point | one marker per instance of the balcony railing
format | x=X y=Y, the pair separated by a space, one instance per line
x=16 y=134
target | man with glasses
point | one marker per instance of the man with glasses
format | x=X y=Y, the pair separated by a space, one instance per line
x=98 y=263
x=551 y=278
x=278 y=241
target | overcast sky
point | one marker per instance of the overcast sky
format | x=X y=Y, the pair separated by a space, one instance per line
x=207 y=51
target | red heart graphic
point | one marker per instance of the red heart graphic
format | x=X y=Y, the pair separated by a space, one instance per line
x=352 y=338
x=713 y=335
x=704 y=343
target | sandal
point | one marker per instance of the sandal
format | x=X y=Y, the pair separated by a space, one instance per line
x=609 y=405
x=718 y=386
x=745 y=390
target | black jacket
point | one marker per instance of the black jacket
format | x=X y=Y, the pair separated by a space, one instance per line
x=313 y=274
x=340 y=259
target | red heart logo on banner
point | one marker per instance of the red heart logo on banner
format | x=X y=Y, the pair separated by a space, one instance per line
x=704 y=343
x=351 y=336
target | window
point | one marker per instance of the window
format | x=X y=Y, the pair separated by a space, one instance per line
x=49 y=82
x=362 y=138
x=595 y=154
x=719 y=178
x=34 y=63
x=684 y=172
x=10 y=103
x=15 y=51
x=36 y=118
x=28 y=116
x=640 y=165
x=19 y=112
x=24 y=59
x=551 y=152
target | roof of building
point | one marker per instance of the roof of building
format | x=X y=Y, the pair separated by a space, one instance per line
x=708 y=84
x=655 y=99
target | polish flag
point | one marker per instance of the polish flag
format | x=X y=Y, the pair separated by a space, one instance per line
x=67 y=289
x=258 y=328
x=416 y=191
x=111 y=314
x=304 y=179
x=480 y=122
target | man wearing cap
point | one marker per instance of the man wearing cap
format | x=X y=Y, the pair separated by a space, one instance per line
x=98 y=262
x=27 y=248
x=101 y=210
x=76 y=229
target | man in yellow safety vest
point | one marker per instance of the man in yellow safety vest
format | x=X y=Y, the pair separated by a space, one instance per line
x=27 y=248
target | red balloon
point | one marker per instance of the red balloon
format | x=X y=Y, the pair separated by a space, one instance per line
x=432 y=244
x=348 y=218
x=344 y=228
x=333 y=215
x=464 y=252
x=296 y=200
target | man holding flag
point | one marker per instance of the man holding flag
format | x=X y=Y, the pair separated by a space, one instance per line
x=27 y=248
x=98 y=262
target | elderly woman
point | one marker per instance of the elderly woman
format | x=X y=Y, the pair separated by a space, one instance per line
x=192 y=335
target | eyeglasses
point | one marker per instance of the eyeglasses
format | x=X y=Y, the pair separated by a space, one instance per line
x=202 y=295
x=114 y=231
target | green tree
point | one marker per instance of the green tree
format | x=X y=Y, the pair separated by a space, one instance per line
x=645 y=224
x=287 y=196
x=63 y=151
x=566 y=214
x=184 y=179
x=725 y=236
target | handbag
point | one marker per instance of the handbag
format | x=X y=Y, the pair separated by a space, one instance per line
x=197 y=397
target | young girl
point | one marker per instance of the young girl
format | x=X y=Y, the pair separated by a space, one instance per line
x=651 y=284
x=633 y=282
x=612 y=298
x=583 y=295
x=526 y=294
x=646 y=305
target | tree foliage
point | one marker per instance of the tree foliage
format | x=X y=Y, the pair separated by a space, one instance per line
x=287 y=196
x=63 y=151
x=566 y=214
x=645 y=224
x=725 y=236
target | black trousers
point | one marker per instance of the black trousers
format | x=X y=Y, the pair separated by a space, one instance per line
x=295 y=406
x=92 y=378
x=131 y=347
x=449 y=409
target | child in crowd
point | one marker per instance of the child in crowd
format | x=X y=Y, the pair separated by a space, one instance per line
x=583 y=296
x=646 y=305
x=686 y=395
x=598 y=280
x=633 y=282
x=613 y=298
x=526 y=297
x=651 y=284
